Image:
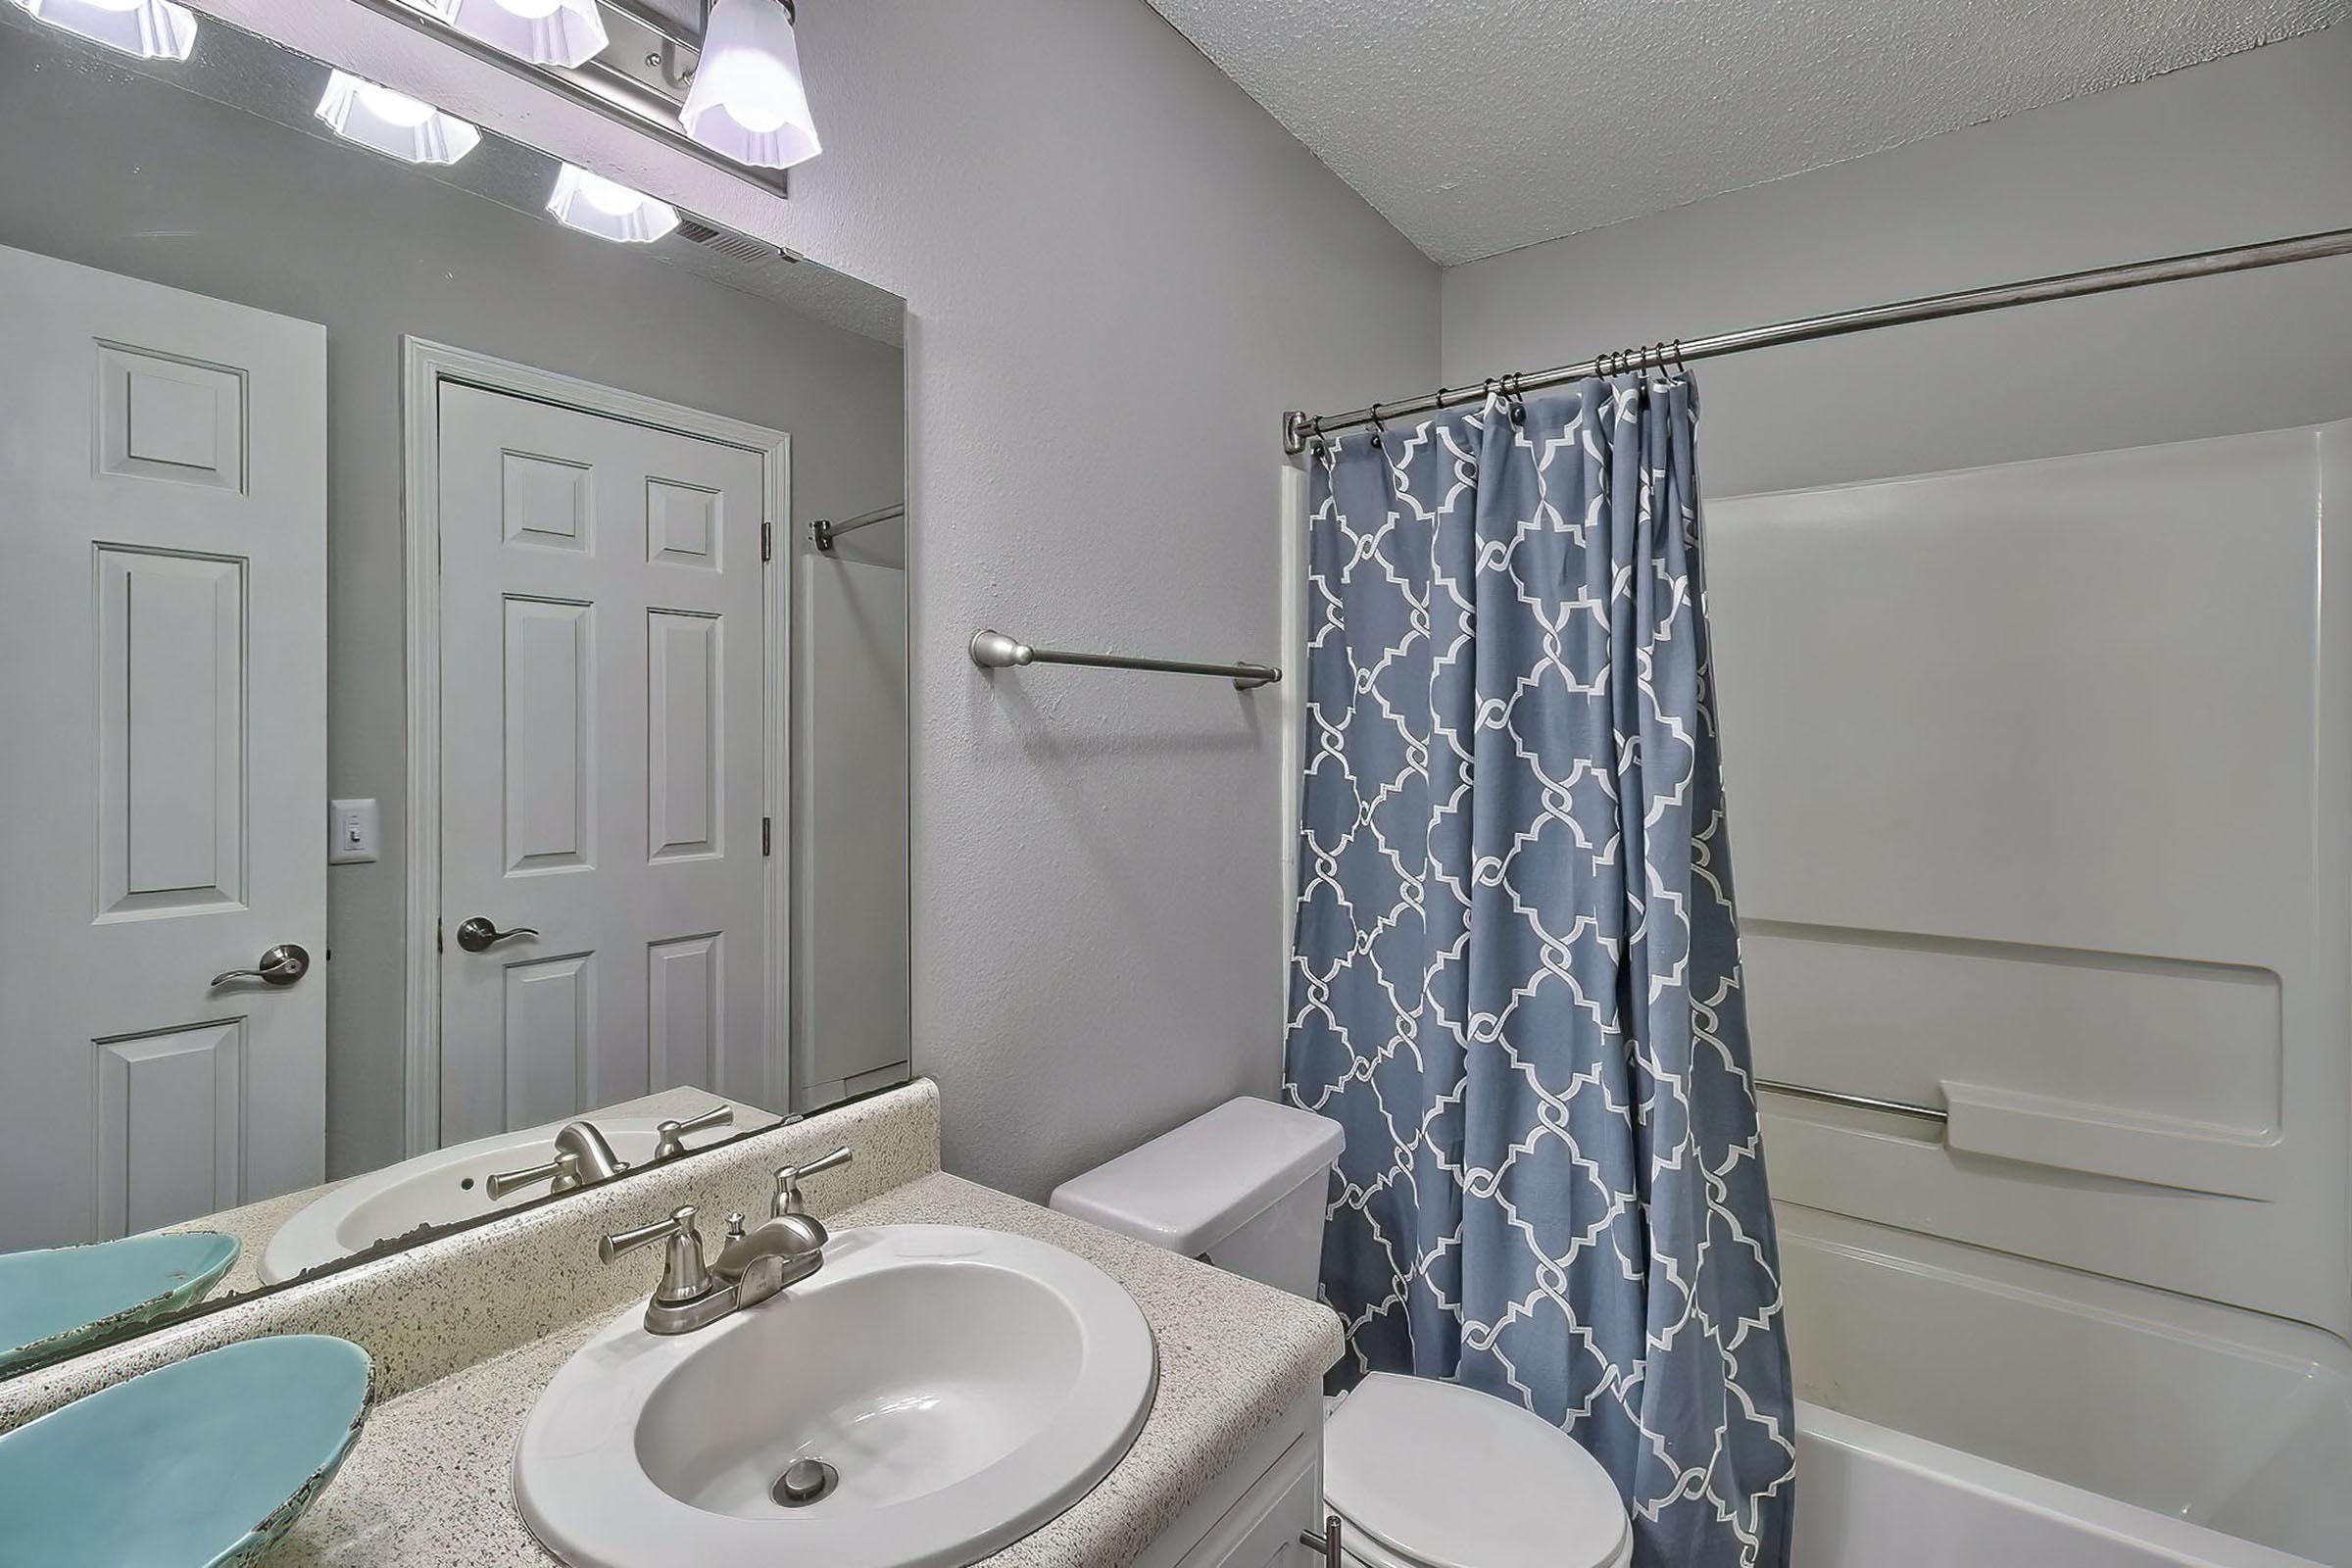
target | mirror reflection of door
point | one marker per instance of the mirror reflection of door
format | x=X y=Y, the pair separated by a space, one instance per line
x=611 y=874
x=162 y=472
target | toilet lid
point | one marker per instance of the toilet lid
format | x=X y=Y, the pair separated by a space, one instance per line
x=1446 y=1477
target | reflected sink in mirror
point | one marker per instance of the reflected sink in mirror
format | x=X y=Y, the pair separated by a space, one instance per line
x=446 y=1186
x=960 y=1386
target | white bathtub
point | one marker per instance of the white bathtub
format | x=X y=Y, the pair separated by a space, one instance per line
x=1872 y=1498
x=1967 y=1409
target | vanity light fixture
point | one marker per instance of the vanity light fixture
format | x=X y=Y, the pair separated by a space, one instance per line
x=152 y=30
x=748 y=101
x=393 y=122
x=545 y=32
x=609 y=210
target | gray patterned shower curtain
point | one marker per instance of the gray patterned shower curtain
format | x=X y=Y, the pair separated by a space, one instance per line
x=1516 y=980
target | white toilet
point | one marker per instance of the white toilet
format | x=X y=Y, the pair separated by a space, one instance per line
x=1424 y=1474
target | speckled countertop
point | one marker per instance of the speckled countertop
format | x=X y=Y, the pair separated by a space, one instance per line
x=429 y=1480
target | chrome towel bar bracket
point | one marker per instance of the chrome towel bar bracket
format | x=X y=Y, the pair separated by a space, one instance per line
x=827 y=532
x=993 y=649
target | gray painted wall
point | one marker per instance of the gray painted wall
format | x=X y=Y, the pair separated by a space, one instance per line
x=2252 y=147
x=1118 y=272
x=202 y=197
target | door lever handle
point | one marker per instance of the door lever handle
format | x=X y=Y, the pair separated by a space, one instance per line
x=475 y=934
x=281 y=966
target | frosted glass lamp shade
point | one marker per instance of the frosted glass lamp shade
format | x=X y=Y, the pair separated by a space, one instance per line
x=152 y=30
x=595 y=205
x=748 y=101
x=393 y=122
x=545 y=32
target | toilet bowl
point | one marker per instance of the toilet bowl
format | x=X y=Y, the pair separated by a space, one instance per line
x=1426 y=1474
x=1422 y=1473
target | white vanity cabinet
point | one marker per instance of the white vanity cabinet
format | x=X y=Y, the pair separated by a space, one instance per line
x=1254 y=1512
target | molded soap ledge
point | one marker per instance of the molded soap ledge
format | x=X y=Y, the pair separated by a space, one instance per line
x=447 y=1304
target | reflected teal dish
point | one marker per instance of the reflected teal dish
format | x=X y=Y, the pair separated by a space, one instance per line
x=199 y=1464
x=61 y=1297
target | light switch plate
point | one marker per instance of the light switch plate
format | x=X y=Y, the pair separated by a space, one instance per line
x=351 y=832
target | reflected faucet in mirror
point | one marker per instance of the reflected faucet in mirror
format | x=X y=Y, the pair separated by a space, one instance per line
x=584 y=1156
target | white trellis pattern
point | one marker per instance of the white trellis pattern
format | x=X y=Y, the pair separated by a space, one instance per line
x=1516 y=981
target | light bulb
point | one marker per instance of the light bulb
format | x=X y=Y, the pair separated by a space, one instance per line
x=393 y=122
x=595 y=205
x=152 y=30
x=748 y=100
x=545 y=32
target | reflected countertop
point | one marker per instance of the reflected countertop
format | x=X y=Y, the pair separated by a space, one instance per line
x=253 y=1224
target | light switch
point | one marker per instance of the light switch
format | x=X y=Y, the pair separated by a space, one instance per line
x=350 y=831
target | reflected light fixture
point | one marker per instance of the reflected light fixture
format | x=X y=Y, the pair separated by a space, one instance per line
x=393 y=122
x=595 y=205
x=152 y=30
x=545 y=32
x=748 y=100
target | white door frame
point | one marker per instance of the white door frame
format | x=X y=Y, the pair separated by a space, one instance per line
x=1289 y=514
x=426 y=366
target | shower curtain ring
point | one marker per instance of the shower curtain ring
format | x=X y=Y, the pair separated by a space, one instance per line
x=1515 y=385
x=1682 y=365
x=1376 y=446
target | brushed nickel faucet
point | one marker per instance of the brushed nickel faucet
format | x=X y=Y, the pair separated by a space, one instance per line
x=753 y=1265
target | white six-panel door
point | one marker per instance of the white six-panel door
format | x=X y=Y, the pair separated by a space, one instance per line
x=162 y=755
x=604 y=762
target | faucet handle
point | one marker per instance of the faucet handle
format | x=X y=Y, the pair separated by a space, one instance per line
x=673 y=1134
x=561 y=1172
x=684 y=1278
x=788 y=1200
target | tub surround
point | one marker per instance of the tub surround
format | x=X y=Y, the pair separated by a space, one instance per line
x=432 y=1482
x=449 y=1303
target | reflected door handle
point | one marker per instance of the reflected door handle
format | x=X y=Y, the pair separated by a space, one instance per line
x=475 y=934
x=281 y=966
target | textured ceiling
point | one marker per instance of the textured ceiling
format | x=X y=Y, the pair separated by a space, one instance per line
x=1480 y=125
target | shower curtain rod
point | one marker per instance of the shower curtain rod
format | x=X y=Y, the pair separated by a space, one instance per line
x=1298 y=429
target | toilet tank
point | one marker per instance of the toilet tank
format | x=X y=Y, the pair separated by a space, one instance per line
x=1243 y=1186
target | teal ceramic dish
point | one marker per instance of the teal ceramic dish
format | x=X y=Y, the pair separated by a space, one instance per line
x=199 y=1464
x=60 y=1297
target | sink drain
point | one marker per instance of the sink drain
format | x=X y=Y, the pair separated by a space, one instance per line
x=807 y=1481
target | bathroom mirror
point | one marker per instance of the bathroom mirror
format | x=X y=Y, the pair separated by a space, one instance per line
x=432 y=723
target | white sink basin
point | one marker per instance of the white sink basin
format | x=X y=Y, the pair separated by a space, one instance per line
x=966 y=1385
x=435 y=1188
